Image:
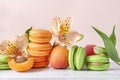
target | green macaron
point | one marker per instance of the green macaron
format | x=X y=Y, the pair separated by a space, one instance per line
x=76 y=58
x=97 y=62
x=4 y=58
x=4 y=66
x=4 y=62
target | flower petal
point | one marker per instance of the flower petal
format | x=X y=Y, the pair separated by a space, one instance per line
x=68 y=21
x=55 y=26
x=3 y=46
x=73 y=36
x=21 y=41
x=25 y=41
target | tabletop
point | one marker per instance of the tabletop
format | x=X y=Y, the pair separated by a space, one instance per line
x=62 y=74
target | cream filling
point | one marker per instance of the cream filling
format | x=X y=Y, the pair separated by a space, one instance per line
x=74 y=57
x=2 y=63
x=97 y=63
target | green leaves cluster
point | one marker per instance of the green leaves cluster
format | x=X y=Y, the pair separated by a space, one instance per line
x=109 y=43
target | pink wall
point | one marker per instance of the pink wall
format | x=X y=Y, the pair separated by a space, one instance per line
x=18 y=15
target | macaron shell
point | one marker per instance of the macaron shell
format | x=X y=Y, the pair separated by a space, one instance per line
x=38 y=53
x=4 y=67
x=79 y=58
x=97 y=58
x=98 y=68
x=40 y=64
x=40 y=35
x=40 y=59
x=39 y=39
x=40 y=32
x=36 y=46
x=4 y=58
x=71 y=57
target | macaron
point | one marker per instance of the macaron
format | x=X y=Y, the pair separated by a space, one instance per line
x=39 y=49
x=97 y=62
x=40 y=64
x=36 y=46
x=4 y=62
x=40 y=59
x=40 y=35
x=39 y=53
x=76 y=57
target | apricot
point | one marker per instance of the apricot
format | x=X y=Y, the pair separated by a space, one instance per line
x=23 y=66
x=59 y=57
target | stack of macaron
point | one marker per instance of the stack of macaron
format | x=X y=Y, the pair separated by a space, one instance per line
x=40 y=47
x=77 y=59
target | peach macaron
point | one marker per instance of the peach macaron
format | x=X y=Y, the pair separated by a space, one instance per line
x=40 y=35
x=35 y=49
x=40 y=64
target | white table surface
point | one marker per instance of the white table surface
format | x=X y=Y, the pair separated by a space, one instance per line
x=62 y=74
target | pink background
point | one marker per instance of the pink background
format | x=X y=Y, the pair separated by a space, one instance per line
x=18 y=15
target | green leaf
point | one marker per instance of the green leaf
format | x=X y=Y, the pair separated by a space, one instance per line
x=113 y=37
x=109 y=46
x=99 y=50
x=27 y=32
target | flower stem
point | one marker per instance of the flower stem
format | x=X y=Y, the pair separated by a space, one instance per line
x=55 y=44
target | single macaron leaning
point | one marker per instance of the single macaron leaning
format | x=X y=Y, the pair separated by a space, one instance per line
x=97 y=62
x=76 y=57
x=4 y=62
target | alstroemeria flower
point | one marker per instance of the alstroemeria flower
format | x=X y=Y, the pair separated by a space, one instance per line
x=15 y=47
x=62 y=33
x=8 y=48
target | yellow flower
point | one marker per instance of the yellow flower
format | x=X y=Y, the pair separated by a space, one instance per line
x=15 y=47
